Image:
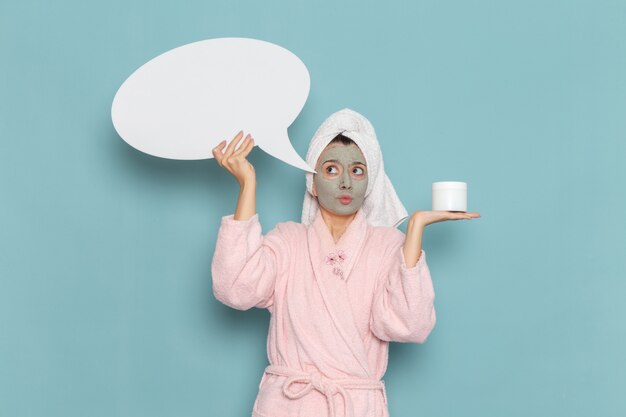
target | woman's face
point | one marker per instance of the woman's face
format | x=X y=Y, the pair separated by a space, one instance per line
x=341 y=179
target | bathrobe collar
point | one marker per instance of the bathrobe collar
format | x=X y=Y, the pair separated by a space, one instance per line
x=339 y=258
x=332 y=264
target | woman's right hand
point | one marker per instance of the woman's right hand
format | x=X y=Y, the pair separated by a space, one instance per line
x=234 y=161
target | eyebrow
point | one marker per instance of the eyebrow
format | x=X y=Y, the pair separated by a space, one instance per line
x=337 y=161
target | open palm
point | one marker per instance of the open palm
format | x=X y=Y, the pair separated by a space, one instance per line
x=426 y=217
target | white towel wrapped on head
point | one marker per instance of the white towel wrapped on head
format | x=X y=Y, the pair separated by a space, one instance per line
x=381 y=206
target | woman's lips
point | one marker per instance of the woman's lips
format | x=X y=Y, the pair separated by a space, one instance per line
x=345 y=199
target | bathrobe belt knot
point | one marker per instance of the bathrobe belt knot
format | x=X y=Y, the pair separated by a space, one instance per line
x=327 y=386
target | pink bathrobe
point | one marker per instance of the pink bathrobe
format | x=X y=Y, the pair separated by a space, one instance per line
x=334 y=309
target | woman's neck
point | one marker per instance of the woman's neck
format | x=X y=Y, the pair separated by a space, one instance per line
x=336 y=224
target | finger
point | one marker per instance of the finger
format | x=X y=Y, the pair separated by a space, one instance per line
x=456 y=215
x=243 y=146
x=250 y=147
x=218 y=155
x=470 y=216
x=233 y=144
x=217 y=152
x=220 y=145
x=245 y=150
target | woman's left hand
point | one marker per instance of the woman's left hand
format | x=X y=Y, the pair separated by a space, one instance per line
x=425 y=218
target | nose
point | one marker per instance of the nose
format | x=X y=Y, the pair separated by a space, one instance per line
x=345 y=183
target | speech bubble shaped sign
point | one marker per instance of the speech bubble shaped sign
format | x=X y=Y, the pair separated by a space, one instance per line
x=184 y=102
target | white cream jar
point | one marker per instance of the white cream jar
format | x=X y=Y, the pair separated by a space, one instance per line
x=450 y=196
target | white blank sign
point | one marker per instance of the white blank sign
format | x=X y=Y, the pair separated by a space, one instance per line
x=182 y=103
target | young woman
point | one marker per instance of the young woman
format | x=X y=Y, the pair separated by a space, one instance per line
x=339 y=286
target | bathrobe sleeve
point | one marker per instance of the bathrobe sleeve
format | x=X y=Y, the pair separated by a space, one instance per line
x=403 y=305
x=246 y=263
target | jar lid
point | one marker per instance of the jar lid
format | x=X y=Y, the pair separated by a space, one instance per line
x=449 y=185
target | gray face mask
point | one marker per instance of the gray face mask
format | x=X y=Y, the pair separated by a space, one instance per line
x=341 y=179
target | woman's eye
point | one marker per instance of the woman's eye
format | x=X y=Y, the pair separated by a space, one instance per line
x=331 y=169
x=358 y=171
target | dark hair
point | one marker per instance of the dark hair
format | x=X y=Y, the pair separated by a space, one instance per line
x=344 y=140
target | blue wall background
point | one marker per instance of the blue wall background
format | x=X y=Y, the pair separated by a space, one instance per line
x=105 y=289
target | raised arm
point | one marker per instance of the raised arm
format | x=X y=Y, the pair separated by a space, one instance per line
x=403 y=308
x=245 y=263
x=415 y=229
x=235 y=162
x=403 y=305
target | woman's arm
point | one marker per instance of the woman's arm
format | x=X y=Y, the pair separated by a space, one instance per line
x=415 y=229
x=403 y=305
x=235 y=162
x=246 y=263
x=412 y=247
x=246 y=204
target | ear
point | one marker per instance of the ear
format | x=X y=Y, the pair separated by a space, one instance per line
x=314 y=191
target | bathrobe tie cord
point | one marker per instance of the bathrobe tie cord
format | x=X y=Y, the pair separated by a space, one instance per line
x=327 y=386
